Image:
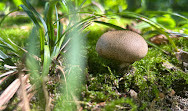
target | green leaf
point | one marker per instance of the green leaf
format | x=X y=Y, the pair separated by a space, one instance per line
x=88 y=19
x=17 y=2
x=41 y=19
x=31 y=15
x=6 y=47
x=166 y=12
x=3 y=55
x=167 y=21
x=47 y=61
x=29 y=6
x=7 y=15
x=7 y=44
x=49 y=23
x=36 y=23
x=56 y=48
x=110 y=25
x=81 y=4
x=12 y=46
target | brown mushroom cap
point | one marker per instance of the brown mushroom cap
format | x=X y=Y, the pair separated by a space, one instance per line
x=124 y=46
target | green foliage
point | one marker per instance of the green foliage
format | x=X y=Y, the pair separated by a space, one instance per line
x=46 y=51
x=17 y=21
x=17 y=2
x=167 y=21
x=2 y=6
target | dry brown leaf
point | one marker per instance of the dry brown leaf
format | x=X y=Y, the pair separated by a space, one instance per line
x=2 y=108
x=10 y=91
x=81 y=108
x=172 y=93
x=133 y=94
x=182 y=56
x=29 y=95
x=161 y=95
x=168 y=65
x=24 y=98
x=159 y=39
x=98 y=106
x=3 y=79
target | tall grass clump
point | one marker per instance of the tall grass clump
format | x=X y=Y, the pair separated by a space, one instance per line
x=50 y=50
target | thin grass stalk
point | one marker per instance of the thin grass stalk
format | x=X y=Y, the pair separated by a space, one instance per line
x=166 y=12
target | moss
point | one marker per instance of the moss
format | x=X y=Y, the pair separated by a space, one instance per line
x=150 y=78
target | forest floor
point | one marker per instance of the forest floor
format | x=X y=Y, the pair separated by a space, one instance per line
x=159 y=81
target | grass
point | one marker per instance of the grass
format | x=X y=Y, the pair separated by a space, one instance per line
x=18 y=21
x=101 y=84
x=103 y=80
x=17 y=35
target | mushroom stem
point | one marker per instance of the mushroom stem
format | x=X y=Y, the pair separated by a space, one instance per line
x=126 y=68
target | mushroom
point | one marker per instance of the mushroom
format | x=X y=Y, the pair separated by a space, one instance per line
x=123 y=45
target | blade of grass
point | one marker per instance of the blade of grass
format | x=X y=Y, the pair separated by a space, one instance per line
x=11 y=46
x=11 y=72
x=59 y=44
x=7 y=15
x=5 y=41
x=31 y=15
x=110 y=25
x=36 y=23
x=47 y=60
x=3 y=55
x=75 y=63
x=64 y=6
x=50 y=26
x=20 y=49
x=157 y=47
x=29 y=6
x=7 y=48
x=59 y=29
x=56 y=48
x=166 y=12
x=79 y=7
x=34 y=66
x=88 y=19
